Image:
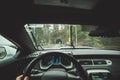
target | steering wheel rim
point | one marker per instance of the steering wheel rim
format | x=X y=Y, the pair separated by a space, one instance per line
x=31 y=65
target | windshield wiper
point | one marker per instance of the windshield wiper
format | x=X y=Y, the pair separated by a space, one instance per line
x=71 y=40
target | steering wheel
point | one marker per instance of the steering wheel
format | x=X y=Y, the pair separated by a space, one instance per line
x=56 y=74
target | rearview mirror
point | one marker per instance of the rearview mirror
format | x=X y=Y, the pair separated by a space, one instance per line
x=104 y=33
x=3 y=52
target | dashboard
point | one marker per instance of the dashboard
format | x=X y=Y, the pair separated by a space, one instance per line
x=99 y=64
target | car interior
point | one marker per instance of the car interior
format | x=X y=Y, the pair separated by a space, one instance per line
x=48 y=54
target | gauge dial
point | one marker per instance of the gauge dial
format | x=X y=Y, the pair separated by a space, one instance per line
x=65 y=61
x=47 y=61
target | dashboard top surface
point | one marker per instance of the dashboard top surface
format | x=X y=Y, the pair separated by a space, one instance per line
x=78 y=52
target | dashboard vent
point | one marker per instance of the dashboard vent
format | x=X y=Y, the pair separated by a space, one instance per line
x=99 y=62
x=95 y=62
x=85 y=62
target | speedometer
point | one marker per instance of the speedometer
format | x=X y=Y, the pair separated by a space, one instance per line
x=47 y=61
x=66 y=61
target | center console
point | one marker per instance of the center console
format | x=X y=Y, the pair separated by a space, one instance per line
x=99 y=74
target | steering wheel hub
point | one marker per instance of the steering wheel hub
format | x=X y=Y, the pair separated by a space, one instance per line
x=54 y=75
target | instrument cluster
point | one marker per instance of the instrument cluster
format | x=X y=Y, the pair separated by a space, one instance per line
x=55 y=60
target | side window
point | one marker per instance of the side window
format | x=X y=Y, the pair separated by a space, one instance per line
x=7 y=49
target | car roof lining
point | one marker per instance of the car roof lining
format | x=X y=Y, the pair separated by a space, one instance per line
x=26 y=11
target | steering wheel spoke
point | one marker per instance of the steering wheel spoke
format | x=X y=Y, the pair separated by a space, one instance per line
x=36 y=76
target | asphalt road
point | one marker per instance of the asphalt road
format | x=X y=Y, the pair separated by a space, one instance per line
x=53 y=46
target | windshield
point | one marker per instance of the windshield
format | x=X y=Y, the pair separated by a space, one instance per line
x=62 y=36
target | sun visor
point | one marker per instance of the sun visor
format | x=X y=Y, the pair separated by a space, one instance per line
x=83 y=4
